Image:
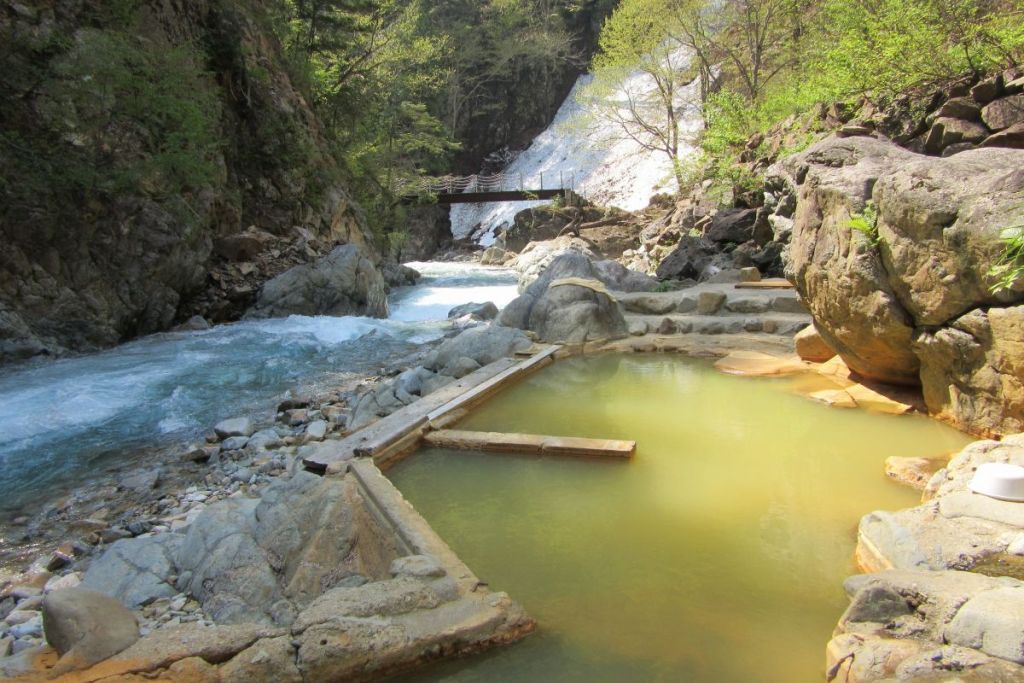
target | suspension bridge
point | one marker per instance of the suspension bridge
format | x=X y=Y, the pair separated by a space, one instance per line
x=500 y=187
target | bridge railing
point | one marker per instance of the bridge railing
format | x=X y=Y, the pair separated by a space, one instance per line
x=498 y=182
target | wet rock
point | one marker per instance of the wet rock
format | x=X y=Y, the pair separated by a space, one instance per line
x=238 y=426
x=345 y=282
x=484 y=311
x=913 y=472
x=196 y=323
x=86 y=627
x=135 y=570
x=142 y=480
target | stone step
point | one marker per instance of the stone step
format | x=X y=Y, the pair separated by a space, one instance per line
x=787 y=324
x=712 y=300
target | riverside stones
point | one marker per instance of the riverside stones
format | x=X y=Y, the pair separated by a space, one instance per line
x=238 y=426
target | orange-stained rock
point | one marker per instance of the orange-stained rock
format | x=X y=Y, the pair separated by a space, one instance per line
x=811 y=347
x=756 y=364
x=913 y=472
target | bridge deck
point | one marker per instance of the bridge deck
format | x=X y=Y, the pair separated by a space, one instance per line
x=496 y=196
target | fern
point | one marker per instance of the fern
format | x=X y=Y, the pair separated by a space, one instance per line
x=866 y=223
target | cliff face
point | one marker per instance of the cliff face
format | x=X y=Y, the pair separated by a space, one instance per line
x=156 y=161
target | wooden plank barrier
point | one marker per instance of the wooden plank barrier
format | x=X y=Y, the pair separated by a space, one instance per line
x=535 y=444
x=390 y=437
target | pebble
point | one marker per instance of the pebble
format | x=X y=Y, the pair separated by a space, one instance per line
x=235 y=443
x=20 y=616
x=35 y=602
x=31 y=628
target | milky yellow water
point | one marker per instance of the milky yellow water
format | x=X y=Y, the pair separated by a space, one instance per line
x=716 y=554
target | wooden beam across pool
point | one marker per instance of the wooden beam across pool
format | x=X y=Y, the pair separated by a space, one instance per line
x=534 y=444
x=395 y=435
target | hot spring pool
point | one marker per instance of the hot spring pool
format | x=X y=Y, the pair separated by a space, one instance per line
x=717 y=554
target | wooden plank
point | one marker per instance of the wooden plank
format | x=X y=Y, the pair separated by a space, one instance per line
x=485 y=441
x=488 y=388
x=500 y=442
x=770 y=283
x=400 y=423
x=400 y=432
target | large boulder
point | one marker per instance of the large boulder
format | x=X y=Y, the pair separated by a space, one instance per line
x=567 y=303
x=837 y=271
x=345 y=282
x=86 y=627
x=938 y=226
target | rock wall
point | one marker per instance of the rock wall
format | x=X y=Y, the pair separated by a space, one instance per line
x=139 y=140
x=906 y=298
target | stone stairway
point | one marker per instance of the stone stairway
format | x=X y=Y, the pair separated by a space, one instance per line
x=715 y=309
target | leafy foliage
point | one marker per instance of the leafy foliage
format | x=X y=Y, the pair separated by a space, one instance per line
x=866 y=223
x=1009 y=268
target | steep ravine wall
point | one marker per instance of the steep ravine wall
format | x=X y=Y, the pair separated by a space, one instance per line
x=139 y=141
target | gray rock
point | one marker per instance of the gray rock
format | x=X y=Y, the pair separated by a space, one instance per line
x=316 y=430
x=143 y=480
x=568 y=313
x=461 y=367
x=484 y=311
x=135 y=570
x=345 y=282
x=992 y=622
x=234 y=443
x=264 y=439
x=30 y=628
x=421 y=566
x=86 y=627
x=618 y=278
x=482 y=344
x=231 y=576
x=237 y=426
